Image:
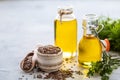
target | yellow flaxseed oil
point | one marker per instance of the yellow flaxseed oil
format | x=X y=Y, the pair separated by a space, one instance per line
x=66 y=36
x=89 y=50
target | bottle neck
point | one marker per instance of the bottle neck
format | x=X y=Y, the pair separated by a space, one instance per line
x=65 y=17
x=90 y=24
x=89 y=32
x=65 y=14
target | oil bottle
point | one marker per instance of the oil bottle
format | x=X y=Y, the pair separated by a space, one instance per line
x=65 y=31
x=89 y=48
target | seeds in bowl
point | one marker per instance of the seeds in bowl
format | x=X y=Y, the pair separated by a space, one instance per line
x=49 y=49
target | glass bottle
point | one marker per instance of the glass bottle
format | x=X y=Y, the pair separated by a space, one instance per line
x=90 y=48
x=65 y=31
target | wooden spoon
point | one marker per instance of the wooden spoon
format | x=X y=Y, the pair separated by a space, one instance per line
x=29 y=62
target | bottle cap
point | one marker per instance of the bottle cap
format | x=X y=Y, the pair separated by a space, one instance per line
x=105 y=45
x=65 y=10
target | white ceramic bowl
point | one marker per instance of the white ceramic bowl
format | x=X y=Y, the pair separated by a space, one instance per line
x=49 y=62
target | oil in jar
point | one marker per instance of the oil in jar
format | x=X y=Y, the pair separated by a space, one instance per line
x=65 y=31
x=66 y=36
x=89 y=50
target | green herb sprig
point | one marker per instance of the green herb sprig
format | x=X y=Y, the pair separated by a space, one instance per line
x=105 y=67
x=111 y=31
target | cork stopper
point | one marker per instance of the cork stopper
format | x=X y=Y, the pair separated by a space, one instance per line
x=64 y=11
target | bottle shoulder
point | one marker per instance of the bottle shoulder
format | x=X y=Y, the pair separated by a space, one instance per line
x=89 y=38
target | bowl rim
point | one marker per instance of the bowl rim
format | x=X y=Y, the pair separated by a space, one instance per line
x=47 y=55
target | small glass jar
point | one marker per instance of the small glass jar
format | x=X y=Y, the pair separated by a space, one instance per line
x=65 y=31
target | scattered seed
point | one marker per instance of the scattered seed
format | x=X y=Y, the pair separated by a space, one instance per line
x=71 y=66
x=30 y=74
x=72 y=77
x=34 y=77
x=19 y=78
x=22 y=75
x=39 y=76
x=79 y=72
x=38 y=70
x=74 y=64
